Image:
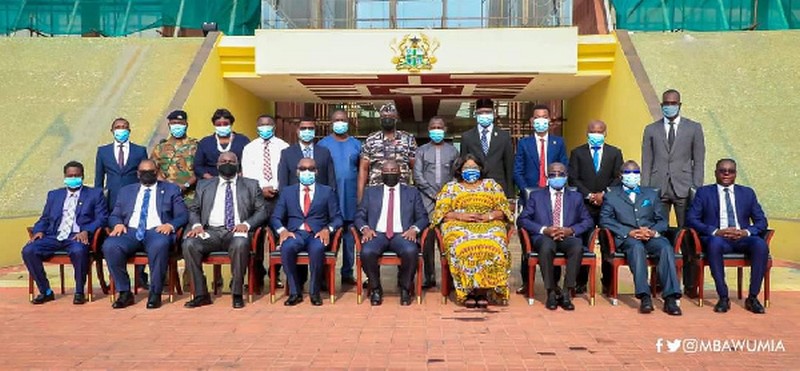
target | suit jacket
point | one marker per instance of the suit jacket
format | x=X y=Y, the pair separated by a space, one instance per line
x=620 y=215
x=682 y=165
x=324 y=210
x=412 y=210
x=526 y=162
x=538 y=213
x=90 y=214
x=583 y=176
x=169 y=203
x=107 y=173
x=703 y=214
x=291 y=156
x=250 y=203
x=498 y=164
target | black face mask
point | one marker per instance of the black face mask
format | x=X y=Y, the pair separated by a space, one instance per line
x=388 y=123
x=228 y=170
x=391 y=180
x=148 y=177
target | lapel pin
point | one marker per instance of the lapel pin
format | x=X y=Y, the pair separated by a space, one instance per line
x=495 y=133
x=80 y=203
x=554 y=142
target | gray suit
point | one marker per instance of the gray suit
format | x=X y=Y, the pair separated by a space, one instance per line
x=251 y=209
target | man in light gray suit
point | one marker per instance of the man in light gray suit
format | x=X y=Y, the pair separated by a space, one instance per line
x=226 y=211
x=673 y=155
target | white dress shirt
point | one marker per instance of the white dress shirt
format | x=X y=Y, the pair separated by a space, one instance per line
x=553 y=207
x=397 y=225
x=723 y=207
x=126 y=151
x=310 y=148
x=488 y=135
x=677 y=122
x=538 y=138
x=253 y=160
x=153 y=219
x=217 y=216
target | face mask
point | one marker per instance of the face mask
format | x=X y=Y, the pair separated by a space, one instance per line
x=596 y=140
x=121 y=135
x=541 y=125
x=223 y=131
x=471 y=175
x=340 y=127
x=388 y=123
x=148 y=177
x=391 y=180
x=177 y=130
x=485 y=119
x=436 y=135
x=228 y=170
x=558 y=182
x=73 y=182
x=631 y=180
x=265 y=132
x=307 y=135
x=307 y=177
x=670 y=110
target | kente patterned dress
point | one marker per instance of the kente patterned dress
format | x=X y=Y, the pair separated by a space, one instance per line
x=477 y=252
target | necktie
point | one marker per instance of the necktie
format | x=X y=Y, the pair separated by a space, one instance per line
x=671 y=136
x=596 y=158
x=542 y=164
x=306 y=206
x=730 y=211
x=307 y=152
x=390 y=215
x=67 y=218
x=267 y=162
x=121 y=157
x=485 y=141
x=557 y=210
x=437 y=166
x=632 y=193
x=143 y=215
x=229 y=219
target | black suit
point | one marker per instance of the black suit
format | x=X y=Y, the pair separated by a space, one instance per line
x=498 y=164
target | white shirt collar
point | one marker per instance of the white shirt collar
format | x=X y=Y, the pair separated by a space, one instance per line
x=490 y=128
x=554 y=191
x=546 y=137
x=722 y=188
x=233 y=180
x=677 y=121
x=125 y=144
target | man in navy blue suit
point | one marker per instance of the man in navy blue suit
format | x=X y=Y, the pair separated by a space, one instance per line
x=145 y=217
x=305 y=148
x=305 y=216
x=537 y=152
x=390 y=217
x=729 y=219
x=70 y=217
x=634 y=216
x=555 y=217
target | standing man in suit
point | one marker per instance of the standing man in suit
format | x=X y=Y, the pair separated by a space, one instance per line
x=305 y=148
x=386 y=144
x=593 y=167
x=70 y=217
x=145 y=217
x=227 y=210
x=729 y=219
x=390 y=217
x=305 y=217
x=634 y=216
x=556 y=218
x=491 y=145
x=673 y=157
x=223 y=140
x=537 y=152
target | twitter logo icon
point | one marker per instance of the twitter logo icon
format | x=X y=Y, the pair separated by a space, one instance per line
x=673 y=346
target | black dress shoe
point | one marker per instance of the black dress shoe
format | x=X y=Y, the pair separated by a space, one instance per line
x=671 y=306
x=350 y=281
x=552 y=300
x=79 y=299
x=238 y=302
x=646 y=306
x=316 y=300
x=154 y=301
x=428 y=284
x=580 y=289
x=124 y=299
x=723 y=305
x=199 y=301
x=42 y=298
x=293 y=300
x=752 y=304
x=376 y=297
x=566 y=301
x=405 y=297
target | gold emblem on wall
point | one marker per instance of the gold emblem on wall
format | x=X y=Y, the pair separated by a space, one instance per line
x=414 y=52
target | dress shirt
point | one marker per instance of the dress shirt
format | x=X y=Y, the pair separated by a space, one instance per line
x=77 y=194
x=153 y=219
x=126 y=151
x=553 y=206
x=383 y=219
x=253 y=160
x=488 y=135
x=217 y=216
x=677 y=122
x=310 y=148
x=599 y=155
x=723 y=207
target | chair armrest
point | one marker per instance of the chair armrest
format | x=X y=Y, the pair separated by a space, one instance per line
x=509 y=233
x=525 y=240
x=688 y=233
x=439 y=239
x=270 y=240
x=337 y=238
x=30 y=232
x=97 y=239
x=768 y=234
x=356 y=237
x=612 y=245
x=423 y=237
x=256 y=236
x=178 y=240
x=594 y=239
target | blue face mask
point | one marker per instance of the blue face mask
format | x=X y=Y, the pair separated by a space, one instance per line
x=340 y=127
x=73 y=182
x=670 y=110
x=177 y=130
x=223 y=131
x=307 y=177
x=631 y=180
x=471 y=175
x=307 y=135
x=485 y=119
x=436 y=135
x=596 y=139
x=558 y=182
x=541 y=125
x=121 y=135
x=265 y=132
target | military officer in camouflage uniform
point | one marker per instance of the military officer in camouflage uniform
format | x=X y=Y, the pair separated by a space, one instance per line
x=175 y=155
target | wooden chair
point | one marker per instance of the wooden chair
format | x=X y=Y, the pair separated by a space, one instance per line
x=303 y=259
x=62 y=258
x=589 y=259
x=140 y=258
x=388 y=258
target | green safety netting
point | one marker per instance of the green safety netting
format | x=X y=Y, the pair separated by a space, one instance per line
x=124 y=17
x=707 y=15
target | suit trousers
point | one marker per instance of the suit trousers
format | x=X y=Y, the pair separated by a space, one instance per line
x=303 y=242
x=668 y=201
x=220 y=239
x=753 y=247
x=405 y=249
x=35 y=252
x=572 y=247
x=117 y=250
x=636 y=252
x=429 y=257
x=348 y=250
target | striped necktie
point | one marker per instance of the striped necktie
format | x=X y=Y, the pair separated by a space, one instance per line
x=68 y=217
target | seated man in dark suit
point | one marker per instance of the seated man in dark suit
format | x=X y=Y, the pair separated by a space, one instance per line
x=145 y=217
x=556 y=218
x=390 y=217
x=70 y=217
x=729 y=219
x=634 y=216
x=224 y=215
x=305 y=216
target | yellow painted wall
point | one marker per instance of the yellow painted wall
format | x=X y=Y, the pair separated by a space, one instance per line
x=14 y=238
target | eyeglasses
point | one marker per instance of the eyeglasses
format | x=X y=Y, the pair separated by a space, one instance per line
x=631 y=172
x=307 y=128
x=307 y=168
x=556 y=175
x=726 y=171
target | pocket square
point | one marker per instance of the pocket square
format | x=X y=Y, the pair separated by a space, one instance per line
x=646 y=203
